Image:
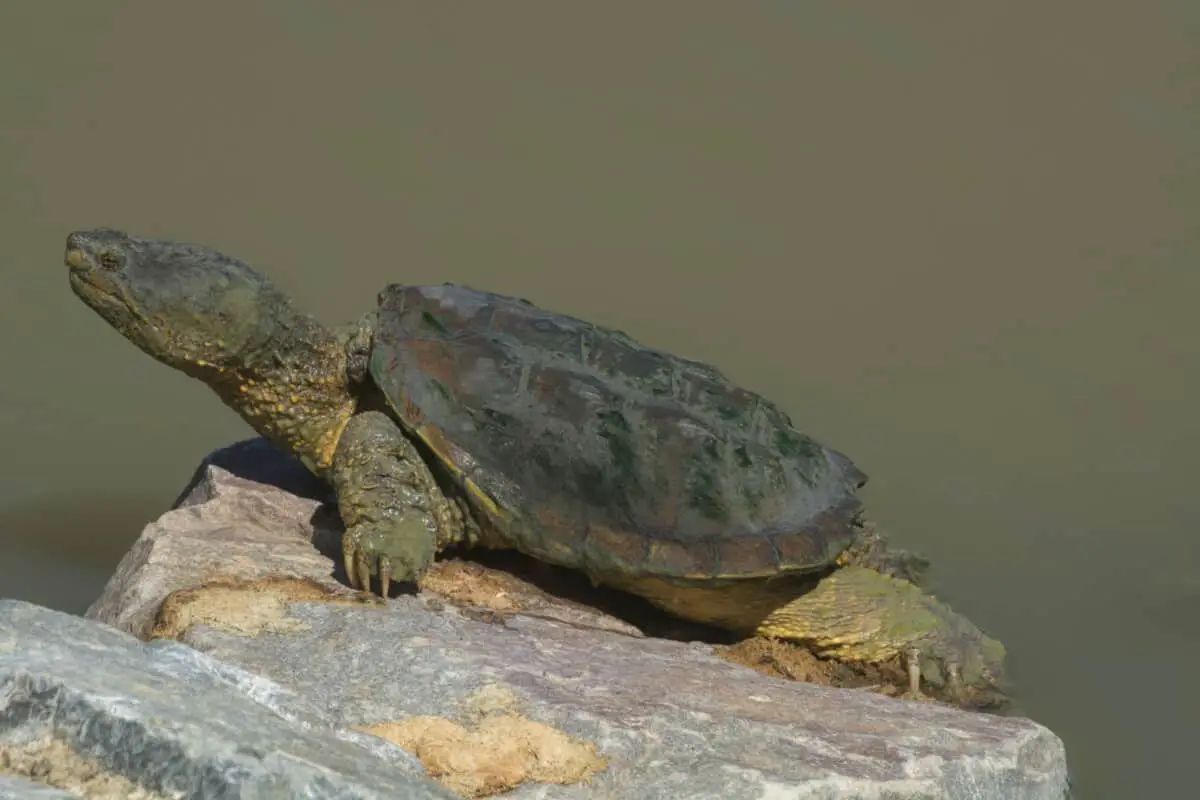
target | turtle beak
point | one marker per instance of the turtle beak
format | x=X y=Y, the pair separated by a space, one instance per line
x=99 y=289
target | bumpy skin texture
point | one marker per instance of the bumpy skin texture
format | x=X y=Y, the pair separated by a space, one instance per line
x=293 y=381
x=216 y=319
x=403 y=526
x=854 y=616
x=450 y=415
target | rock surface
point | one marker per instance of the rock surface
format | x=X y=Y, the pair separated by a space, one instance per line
x=98 y=713
x=19 y=789
x=505 y=688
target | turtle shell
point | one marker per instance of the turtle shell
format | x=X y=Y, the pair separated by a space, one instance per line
x=585 y=449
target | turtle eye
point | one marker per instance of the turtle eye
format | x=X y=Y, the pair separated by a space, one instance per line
x=109 y=261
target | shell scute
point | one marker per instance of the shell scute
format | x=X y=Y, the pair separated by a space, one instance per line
x=605 y=454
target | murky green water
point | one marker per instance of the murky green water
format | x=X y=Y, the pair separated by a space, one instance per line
x=960 y=245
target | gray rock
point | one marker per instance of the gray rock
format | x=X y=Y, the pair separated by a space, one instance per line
x=19 y=789
x=616 y=714
x=173 y=720
x=268 y=512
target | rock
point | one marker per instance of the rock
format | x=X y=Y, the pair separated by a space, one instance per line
x=93 y=711
x=498 y=686
x=18 y=789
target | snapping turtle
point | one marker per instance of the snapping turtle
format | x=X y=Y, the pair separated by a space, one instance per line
x=454 y=416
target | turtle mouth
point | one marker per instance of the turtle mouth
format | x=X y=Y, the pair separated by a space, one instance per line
x=92 y=286
x=102 y=291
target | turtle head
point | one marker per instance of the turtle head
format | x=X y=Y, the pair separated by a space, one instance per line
x=188 y=306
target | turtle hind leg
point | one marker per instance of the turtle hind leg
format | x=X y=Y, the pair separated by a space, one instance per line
x=396 y=516
x=859 y=616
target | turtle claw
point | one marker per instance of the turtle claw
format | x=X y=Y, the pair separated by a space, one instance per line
x=914 y=671
x=385 y=576
x=362 y=569
x=396 y=551
x=955 y=680
x=348 y=560
x=950 y=687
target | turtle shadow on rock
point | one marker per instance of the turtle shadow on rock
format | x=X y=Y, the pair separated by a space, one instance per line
x=256 y=460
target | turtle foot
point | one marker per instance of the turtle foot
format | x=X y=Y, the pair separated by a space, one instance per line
x=395 y=515
x=863 y=619
x=914 y=671
x=398 y=550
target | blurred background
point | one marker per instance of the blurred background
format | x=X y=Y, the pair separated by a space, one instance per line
x=958 y=244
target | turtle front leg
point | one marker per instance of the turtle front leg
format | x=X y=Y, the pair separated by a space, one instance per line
x=860 y=616
x=395 y=514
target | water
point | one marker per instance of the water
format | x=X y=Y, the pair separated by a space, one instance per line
x=959 y=246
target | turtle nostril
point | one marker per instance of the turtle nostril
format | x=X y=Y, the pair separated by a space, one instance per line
x=76 y=252
x=75 y=258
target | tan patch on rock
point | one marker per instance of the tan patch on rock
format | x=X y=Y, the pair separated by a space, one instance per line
x=496 y=751
x=53 y=763
x=476 y=585
x=246 y=608
x=777 y=659
x=491 y=699
x=490 y=594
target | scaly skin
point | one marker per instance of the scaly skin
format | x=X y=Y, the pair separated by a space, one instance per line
x=860 y=616
x=396 y=517
x=855 y=614
x=305 y=388
x=216 y=319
